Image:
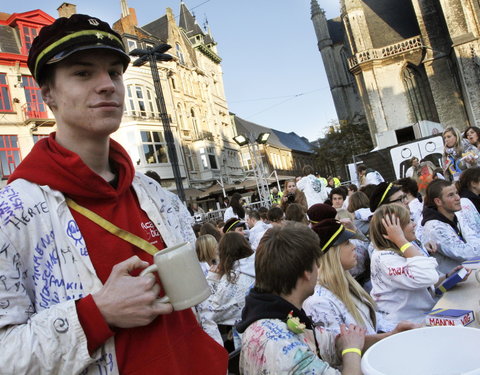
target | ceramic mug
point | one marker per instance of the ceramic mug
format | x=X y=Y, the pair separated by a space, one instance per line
x=477 y=275
x=182 y=277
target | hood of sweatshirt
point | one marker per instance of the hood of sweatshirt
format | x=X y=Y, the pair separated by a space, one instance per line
x=430 y=213
x=61 y=169
x=259 y=305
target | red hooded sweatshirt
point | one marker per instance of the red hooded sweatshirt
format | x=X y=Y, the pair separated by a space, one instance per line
x=171 y=344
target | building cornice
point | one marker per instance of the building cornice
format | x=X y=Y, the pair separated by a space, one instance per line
x=209 y=53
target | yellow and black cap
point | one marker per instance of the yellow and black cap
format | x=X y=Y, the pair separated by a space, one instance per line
x=381 y=194
x=332 y=233
x=232 y=224
x=69 y=35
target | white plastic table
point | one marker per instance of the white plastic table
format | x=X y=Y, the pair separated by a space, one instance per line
x=464 y=296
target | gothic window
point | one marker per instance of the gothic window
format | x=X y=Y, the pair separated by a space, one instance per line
x=194 y=122
x=419 y=94
x=187 y=150
x=179 y=54
x=140 y=101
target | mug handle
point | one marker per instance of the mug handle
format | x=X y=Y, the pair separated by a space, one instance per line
x=150 y=269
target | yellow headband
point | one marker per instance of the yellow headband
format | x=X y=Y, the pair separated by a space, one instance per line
x=385 y=194
x=333 y=238
x=230 y=227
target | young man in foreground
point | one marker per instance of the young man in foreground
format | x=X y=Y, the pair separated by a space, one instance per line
x=71 y=300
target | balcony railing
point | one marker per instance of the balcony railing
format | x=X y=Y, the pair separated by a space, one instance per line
x=384 y=52
x=34 y=111
x=204 y=136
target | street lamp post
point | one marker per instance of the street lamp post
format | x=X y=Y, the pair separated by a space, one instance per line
x=152 y=55
x=257 y=163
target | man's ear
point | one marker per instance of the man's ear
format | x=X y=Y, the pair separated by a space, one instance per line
x=47 y=96
x=437 y=201
x=307 y=275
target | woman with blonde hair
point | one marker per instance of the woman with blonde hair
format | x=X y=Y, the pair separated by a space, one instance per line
x=206 y=247
x=338 y=298
x=402 y=276
x=293 y=195
x=458 y=154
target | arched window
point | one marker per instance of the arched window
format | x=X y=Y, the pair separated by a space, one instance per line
x=179 y=54
x=418 y=92
x=181 y=122
x=194 y=123
x=140 y=101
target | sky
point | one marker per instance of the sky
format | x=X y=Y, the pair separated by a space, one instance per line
x=273 y=71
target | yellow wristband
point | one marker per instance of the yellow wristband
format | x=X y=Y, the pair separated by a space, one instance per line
x=352 y=350
x=405 y=247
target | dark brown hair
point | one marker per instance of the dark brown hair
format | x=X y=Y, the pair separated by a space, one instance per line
x=209 y=228
x=237 y=206
x=232 y=247
x=434 y=190
x=468 y=177
x=283 y=255
x=275 y=214
x=295 y=212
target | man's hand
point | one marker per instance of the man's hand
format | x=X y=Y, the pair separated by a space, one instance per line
x=127 y=301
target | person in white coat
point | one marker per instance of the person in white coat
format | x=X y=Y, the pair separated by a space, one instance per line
x=451 y=223
x=71 y=298
x=230 y=283
x=402 y=276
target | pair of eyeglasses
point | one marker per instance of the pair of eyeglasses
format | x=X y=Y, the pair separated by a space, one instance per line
x=400 y=199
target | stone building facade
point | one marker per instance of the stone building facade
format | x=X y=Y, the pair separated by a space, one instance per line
x=414 y=65
x=192 y=85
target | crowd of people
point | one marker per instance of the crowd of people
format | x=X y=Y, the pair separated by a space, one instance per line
x=302 y=286
x=355 y=263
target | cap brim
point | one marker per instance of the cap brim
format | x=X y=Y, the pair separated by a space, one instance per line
x=346 y=235
x=66 y=53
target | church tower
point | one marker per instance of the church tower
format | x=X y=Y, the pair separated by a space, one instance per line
x=334 y=53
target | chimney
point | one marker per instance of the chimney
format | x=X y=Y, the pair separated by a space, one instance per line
x=66 y=10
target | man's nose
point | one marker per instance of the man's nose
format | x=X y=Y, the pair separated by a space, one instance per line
x=105 y=82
